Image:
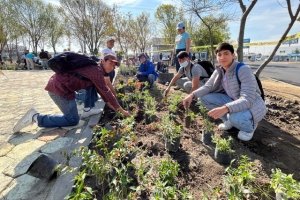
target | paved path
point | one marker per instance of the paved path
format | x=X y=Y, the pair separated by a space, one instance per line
x=20 y=90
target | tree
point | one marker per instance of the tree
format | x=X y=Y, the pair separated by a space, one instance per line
x=293 y=18
x=89 y=21
x=143 y=31
x=56 y=28
x=246 y=12
x=202 y=8
x=32 y=16
x=168 y=15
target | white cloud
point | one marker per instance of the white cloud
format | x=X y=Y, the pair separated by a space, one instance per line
x=124 y=2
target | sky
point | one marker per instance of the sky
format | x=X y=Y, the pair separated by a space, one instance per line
x=266 y=22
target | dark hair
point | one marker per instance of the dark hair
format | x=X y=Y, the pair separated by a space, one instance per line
x=224 y=46
x=183 y=54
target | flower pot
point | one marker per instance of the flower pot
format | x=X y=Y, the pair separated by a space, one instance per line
x=164 y=77
x=187 y=121
x=172 y=147
x=149 y=118
x=206 y=137
x=222 y=157
x=44 y=167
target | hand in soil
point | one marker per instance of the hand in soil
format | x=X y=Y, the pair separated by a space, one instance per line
x=165 y=94
x=125 y=112
x=187 y=101
x=218 y=112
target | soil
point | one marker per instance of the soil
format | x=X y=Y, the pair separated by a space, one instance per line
x=276 y=142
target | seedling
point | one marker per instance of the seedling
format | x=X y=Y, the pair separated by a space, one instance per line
x=79 y=190
x=285 y=186
x=170 y=130
x=223 y=144
x=174 y=100
x=168 y=170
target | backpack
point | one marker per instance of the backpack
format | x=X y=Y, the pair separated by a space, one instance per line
x=69 y=61
x=207 y=66
x=262 y=94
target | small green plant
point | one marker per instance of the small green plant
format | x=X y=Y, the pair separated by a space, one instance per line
x=203 y=110
x=170 y=130
x=168 y=170
x=285 y=184
x=223 y=144
x=162 y=191
x=174 y=101
x=240 y=179
x=80 y=191
x=208 y=125
x=190 y=114
x=150 y=105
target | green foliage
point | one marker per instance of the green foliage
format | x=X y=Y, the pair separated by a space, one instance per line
x=169 y=129
x=163 y=191
x=208 y=125
x=80 y=192
x=174 y=101
x=168 y=15
x=203 y=110
x=190 y=114
x=150 y=105
x=223 y=144
x=286 y=184
x=168 y=170
x=239 y=179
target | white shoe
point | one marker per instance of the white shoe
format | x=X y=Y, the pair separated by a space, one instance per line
x=25 y=121
x=245 y=136
x=225 y=126
x=92 y=111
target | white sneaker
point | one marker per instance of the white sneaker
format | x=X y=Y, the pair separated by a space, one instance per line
x=25 y=121
x=225 y=126
x=92 y=111
x=245 y=136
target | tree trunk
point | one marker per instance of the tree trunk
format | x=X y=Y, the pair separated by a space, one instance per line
x=246 y=12
x=211 y=46
x=293 y=19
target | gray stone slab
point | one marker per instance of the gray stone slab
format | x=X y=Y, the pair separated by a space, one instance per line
x=20 y=151
x=18 y=168
x=5 y=162
x=20 y=188
x=56 y=145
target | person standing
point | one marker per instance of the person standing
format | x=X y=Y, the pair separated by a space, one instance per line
x=44 y=58
x=110 y=43
x=29 y=60
x=182 y=42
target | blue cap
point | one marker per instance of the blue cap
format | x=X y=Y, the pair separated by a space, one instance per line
x=180 y=25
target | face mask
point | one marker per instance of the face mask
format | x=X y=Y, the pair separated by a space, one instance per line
x=184 y=64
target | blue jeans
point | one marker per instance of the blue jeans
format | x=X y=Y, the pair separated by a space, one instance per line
x=241 y=120
x=89 y=96
x=69 y=117
x=150 y=79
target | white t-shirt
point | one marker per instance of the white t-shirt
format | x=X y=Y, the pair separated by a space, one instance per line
x=107 y=51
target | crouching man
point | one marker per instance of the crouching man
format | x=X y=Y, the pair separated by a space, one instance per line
x=61 y=88
x=232 y=94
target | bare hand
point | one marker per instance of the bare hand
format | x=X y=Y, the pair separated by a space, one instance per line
x=125 y=113
x=187 y=101
x=165 y=94
x=218 y=112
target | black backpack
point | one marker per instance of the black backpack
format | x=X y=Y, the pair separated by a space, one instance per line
x=207 y=66
x=69 y=61
x=262 y=93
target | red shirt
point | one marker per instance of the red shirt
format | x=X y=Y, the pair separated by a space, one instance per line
x=66 y=84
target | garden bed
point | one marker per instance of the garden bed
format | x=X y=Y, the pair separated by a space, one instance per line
x=128 y=159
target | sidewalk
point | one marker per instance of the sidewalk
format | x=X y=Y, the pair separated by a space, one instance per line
x=21 y=90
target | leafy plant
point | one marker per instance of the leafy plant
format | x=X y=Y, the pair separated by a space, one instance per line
x=203 y=110
x=174 y=101
x=190 y=114
x=239 y=179
x=168 y=170
x=170 y=130
x=208 y=125
x=223 y=144
x=286 y=184
x=80 y=192
x=150 y=105
x=163 y=191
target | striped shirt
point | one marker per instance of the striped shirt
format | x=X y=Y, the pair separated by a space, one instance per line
x=66 y=84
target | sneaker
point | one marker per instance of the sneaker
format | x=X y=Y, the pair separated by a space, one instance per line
x=225 y=126
x=177 y=88
x=245 y=136
x=93 y=111
x=25 y=121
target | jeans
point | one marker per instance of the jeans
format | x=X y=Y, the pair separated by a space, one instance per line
x=89 y=96
x=184 y=83
x=241 y=120
x=69 y=117
x=150 y=79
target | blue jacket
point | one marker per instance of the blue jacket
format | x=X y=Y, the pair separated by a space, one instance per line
x=147 y=68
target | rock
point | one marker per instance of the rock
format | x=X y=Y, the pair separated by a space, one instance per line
x=296 y=102
x=56 y=145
